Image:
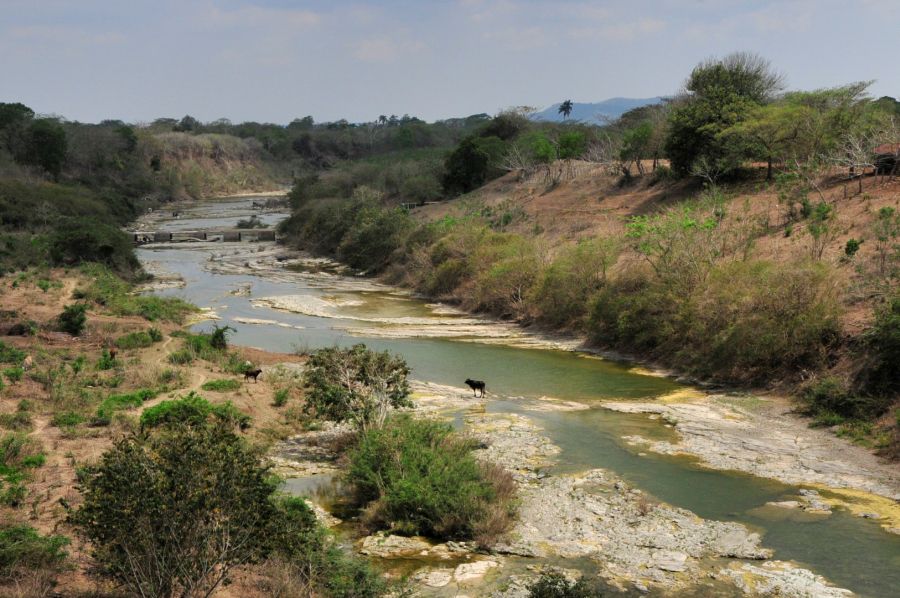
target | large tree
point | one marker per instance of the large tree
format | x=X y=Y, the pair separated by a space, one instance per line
x=718 y=95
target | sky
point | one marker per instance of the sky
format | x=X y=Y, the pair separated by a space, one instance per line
x=276 y=60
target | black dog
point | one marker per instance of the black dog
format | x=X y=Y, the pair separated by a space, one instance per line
x=475 y=385
x=252 y=374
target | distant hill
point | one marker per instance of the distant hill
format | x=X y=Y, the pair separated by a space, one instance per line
x=594 y=112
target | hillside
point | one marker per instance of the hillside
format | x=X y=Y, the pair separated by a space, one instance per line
x=595 y=112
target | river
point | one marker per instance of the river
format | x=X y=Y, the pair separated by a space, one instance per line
x=850 y=552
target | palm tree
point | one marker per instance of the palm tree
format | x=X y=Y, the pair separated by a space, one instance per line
x=566 y=108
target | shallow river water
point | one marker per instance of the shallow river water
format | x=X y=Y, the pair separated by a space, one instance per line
x=850 y=552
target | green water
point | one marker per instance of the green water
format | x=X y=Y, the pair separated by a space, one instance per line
x=851 y=552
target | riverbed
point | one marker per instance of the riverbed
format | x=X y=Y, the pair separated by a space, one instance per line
x=280 y=302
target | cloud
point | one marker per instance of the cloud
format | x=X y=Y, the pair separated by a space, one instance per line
x=385 y=49
x=63 y=34
x=619 y=32
x=261 y=16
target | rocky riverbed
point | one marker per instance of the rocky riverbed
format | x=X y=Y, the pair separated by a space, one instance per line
x=631 y=539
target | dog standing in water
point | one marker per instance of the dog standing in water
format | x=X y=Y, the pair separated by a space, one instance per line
x=475 y=385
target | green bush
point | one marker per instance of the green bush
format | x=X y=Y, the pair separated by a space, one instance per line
x=73 y=318
x=181 y=357
x=744 y=322
x=14 y=374
x=18 y=420
x=192 y=410
x=170 y=512
x=11 y=354
x=310 y=555
x=881 y=376
x=224 y=385
x=134 y=340
x=115 y=294
x=830 y=400
x=85 y=240
x=356 y=384
x=281 y=397
x=418 y=477
x=24 y=550
x=67 y=419
x=556 y=585
x=155 y=334
x=118 y=402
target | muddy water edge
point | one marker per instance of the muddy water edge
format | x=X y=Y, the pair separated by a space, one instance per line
x=279 y=303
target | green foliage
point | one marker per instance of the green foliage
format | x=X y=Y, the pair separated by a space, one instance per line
x=67 y=419
x=18 y=453
x=118 y=402
x=418 y=477
x=723 y=93
x=13 y=374
x=73 y=318
x=564 y=293
x=23 y=550
x=881 y=376
x=356 y=384
x=85 y=240
x=106 y=361
x=169 y=513
x=218 y=338
x=474 y=162
x=851 y=247
x=743 y=322
x=46 y=145
x=116 y=295
x=192 y=410
x=134 y=340
x=223 y=385
x=20 y=419
x=556 y=585
x=281 y=397
x=10 y=354
x=310 y=556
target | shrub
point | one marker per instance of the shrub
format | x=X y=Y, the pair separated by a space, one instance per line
x=83 y=240
x=11 y=354
x=192 y=410
x=67 y=419
x=218 y=339
x=134 y=340
x=745 y=321
x=356 y=384
x=563 y=295
x=418 y=477
x=170 y=513
x=73 y=318
x=281 y=397
x=553 y=584
x=24 y=550
x=106 y=361
x=224 y=385
x=181 y=357
x=881 y=377
x=13 y=374
x=155 y=334
x=830 y=399
x=303 y=550
x=108 y=290
x=118 y=402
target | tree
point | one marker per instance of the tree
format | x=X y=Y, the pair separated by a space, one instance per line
x=767 y=133
x=356 y=384
x=187 y=123
x=636 y=145
x=719 y=94
x=171 y=512
x=73 y=318
x=565 y=108
x=46 y=145
x=475 y=161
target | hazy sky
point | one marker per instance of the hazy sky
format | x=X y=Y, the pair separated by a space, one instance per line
x=274 y=60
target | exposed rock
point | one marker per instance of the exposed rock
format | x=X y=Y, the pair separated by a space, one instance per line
x=434 y=578
x=388 y=546
x=785 y=504
x=309 y=453
x=726 y=436
x=776 y=578
x=473 y=571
